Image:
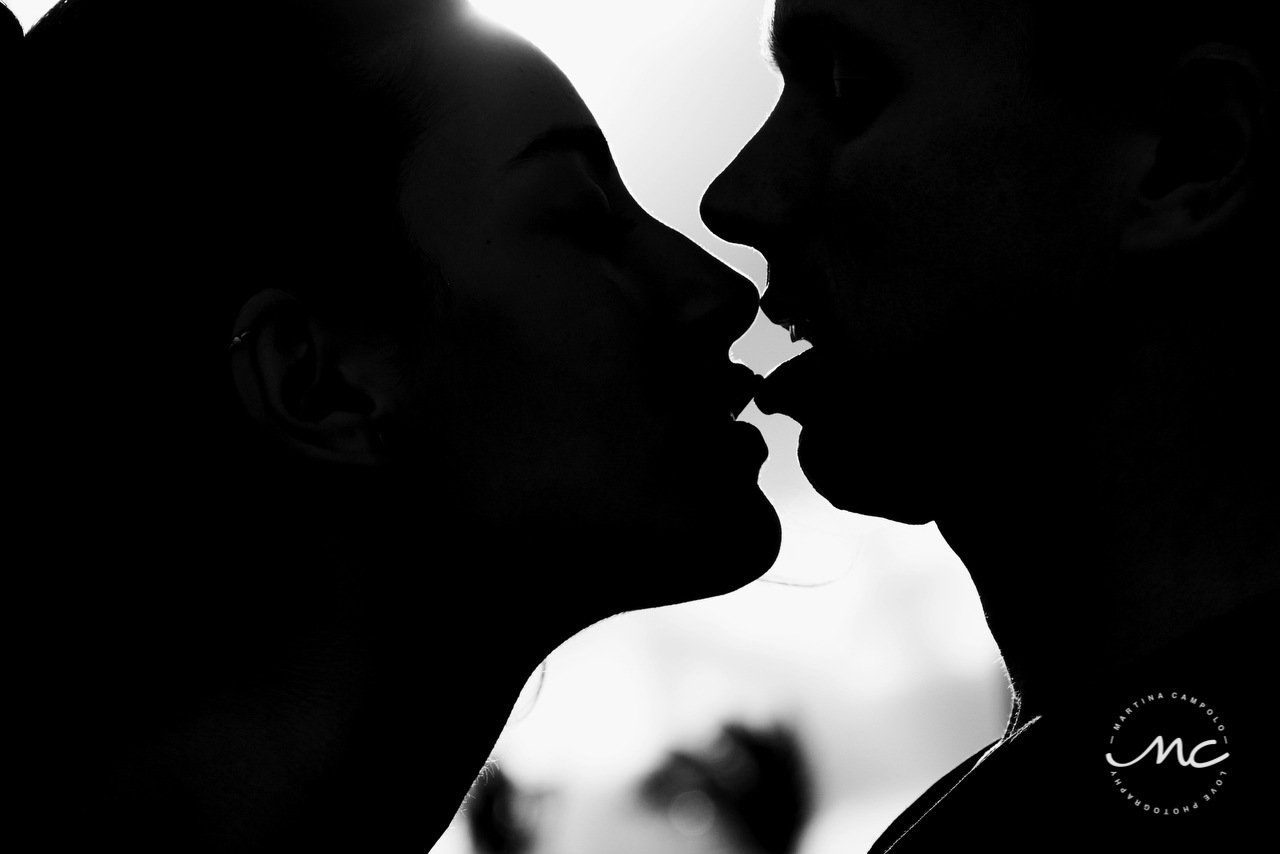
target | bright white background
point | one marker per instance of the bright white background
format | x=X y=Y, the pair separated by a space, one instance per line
x=886 y=670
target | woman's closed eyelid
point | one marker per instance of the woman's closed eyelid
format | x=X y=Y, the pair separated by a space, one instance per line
x=577 y=207
x=606 y=232
x=552 y=204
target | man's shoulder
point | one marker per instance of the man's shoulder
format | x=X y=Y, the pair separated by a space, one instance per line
x=921 y=805
x=1045 y=790
x=1176 y=753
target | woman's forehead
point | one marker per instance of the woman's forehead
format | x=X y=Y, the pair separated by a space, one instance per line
x=493 y=94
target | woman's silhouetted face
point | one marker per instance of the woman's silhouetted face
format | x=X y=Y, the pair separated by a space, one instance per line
x=581 y=374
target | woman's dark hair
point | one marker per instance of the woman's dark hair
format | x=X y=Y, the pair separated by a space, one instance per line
x=184 y=156
x=180 y=158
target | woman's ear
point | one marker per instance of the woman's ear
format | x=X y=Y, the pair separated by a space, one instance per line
x=323 y=393
x=1203 y=165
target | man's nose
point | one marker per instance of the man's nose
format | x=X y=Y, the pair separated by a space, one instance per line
x=751 y=200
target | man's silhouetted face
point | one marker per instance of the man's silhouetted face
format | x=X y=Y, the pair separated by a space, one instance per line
x=931 y=228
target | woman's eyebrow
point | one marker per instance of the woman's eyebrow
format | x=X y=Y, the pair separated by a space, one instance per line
x=587 y=140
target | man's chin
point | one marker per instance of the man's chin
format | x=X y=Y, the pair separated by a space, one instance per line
x=857 y=477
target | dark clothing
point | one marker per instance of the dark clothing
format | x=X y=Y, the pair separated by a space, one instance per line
x=1050 y=787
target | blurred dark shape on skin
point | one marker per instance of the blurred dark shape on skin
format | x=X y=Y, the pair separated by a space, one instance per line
x=483 y=401
x=493 y=817
x=1032 y=246
x=755 y=781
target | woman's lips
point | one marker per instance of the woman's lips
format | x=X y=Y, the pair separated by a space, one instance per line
x=743 y=383
x=746 y=440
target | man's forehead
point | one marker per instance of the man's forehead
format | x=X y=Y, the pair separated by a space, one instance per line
x=781 y=8
x=909 y=26
x=784 y=9
x=860 y=14
x=848 y=20
x=889 y=10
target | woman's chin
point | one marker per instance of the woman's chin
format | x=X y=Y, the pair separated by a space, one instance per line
x=708 y=542
x=720 y=554
x=759 y=534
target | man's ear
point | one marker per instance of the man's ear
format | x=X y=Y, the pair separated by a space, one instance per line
x=1202 y=167
x=322 y=393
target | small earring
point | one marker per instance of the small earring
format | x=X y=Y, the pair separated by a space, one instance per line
x=382 y=440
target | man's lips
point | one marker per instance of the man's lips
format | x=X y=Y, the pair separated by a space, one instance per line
x=792 y=386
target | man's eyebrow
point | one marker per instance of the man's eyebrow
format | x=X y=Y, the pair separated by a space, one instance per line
x=792 y=33
x=587 y=140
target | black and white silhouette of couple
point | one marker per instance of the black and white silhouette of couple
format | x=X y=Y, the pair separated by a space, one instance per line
x=353 y=381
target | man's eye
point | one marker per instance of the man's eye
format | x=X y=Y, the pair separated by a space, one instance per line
x=855 y=99
x=846 y=89
x=848 y=78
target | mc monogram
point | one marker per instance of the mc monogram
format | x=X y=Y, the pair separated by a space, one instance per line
x=1175 y=747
